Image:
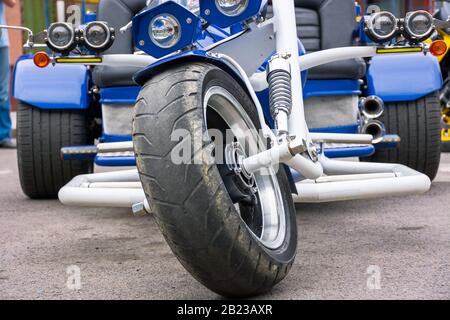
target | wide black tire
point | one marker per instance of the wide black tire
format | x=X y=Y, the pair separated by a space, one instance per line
x=190 y=201
x=418 y=123
x=446 y=147
x=40 y=136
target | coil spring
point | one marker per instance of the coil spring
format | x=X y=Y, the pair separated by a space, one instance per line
x=280 y=92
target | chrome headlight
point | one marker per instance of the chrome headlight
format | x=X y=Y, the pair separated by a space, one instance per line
x=225 y=13
x=61 y=37
x=419 y=25
x=98 y=36
x=382 y=26
x=165 y=31
x=232 y=8
x=166 y=28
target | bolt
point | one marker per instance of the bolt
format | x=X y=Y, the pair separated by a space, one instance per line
x=142 y=42
x=139 y=210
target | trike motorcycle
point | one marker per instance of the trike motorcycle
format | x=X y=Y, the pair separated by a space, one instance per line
x=442 y=40
x=409 y=87
x=217 y=167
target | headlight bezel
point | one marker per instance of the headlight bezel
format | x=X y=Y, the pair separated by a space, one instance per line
x=412 y=36
x=110 y=36
x=61 y=49
x=370 y=27
x=190 y=28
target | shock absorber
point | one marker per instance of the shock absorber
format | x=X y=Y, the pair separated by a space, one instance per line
x=280 y=91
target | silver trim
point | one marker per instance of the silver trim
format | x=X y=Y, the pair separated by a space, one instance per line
x=108 y=34
x=370 y=25
x=412 y=34
x=71 y=29
x=272 y=207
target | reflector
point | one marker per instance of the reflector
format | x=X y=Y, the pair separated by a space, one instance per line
x=41 y=59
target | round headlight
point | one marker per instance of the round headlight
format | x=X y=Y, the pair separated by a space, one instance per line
x=419 y=25
x=232 y=8
x=98 y=36
x=382 y=26
x=165 y=31
x=61 y=37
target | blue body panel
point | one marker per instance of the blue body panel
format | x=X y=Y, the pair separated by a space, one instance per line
x=340 y=129
x=352 y=152
x=103 y=161
x=55 y=87
x=107 y=138
x=405 y=77
x=322 y=88
x=119 y=95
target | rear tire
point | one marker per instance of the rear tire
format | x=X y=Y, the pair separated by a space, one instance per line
x=190 y=202
x=418 y=123
x=40 y=136
x=446 y=147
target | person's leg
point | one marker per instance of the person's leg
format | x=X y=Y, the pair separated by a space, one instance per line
x=5 y=118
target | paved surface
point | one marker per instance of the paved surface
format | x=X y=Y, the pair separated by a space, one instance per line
x=122 y=257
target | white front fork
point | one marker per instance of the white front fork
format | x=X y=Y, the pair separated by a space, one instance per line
x=287 y=43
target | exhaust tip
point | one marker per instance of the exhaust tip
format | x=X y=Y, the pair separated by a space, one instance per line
x=372 y=107
x=376 y=129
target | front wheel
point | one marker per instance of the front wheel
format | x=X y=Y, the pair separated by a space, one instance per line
x=418 y=123
x=235 y=233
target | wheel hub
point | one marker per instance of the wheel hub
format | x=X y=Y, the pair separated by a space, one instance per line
x=240 y=184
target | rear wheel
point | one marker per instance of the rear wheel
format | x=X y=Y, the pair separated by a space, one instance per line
x=40 y=136
x=418 y=123
x=235 y=233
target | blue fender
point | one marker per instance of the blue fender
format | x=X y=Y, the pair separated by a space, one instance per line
x=403 y=77
x=142 y=76
x=55 y=87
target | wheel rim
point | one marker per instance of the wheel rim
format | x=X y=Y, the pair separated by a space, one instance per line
x=266 y=217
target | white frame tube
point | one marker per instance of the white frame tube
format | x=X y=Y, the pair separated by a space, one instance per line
x=110 y=189
x=349 y=186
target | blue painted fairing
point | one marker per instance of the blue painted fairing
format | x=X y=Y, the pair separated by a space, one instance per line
x=405 y=77
x=55 y=87
x=321 y=88
x=142 y=76
x=119 y=95
x=353 y=152
x=104 y=161
x=340 y=129
x=107 y=138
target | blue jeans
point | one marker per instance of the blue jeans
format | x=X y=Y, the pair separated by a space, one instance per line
x=5 y=118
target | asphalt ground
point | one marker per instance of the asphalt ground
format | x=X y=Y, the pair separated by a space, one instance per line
x=394 y=248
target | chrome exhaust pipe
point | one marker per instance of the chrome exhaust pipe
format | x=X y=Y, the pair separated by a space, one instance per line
x=371 y=107
x=376 y=129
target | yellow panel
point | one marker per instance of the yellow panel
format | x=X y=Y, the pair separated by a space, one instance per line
x=79 y=60
x=399 y=50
